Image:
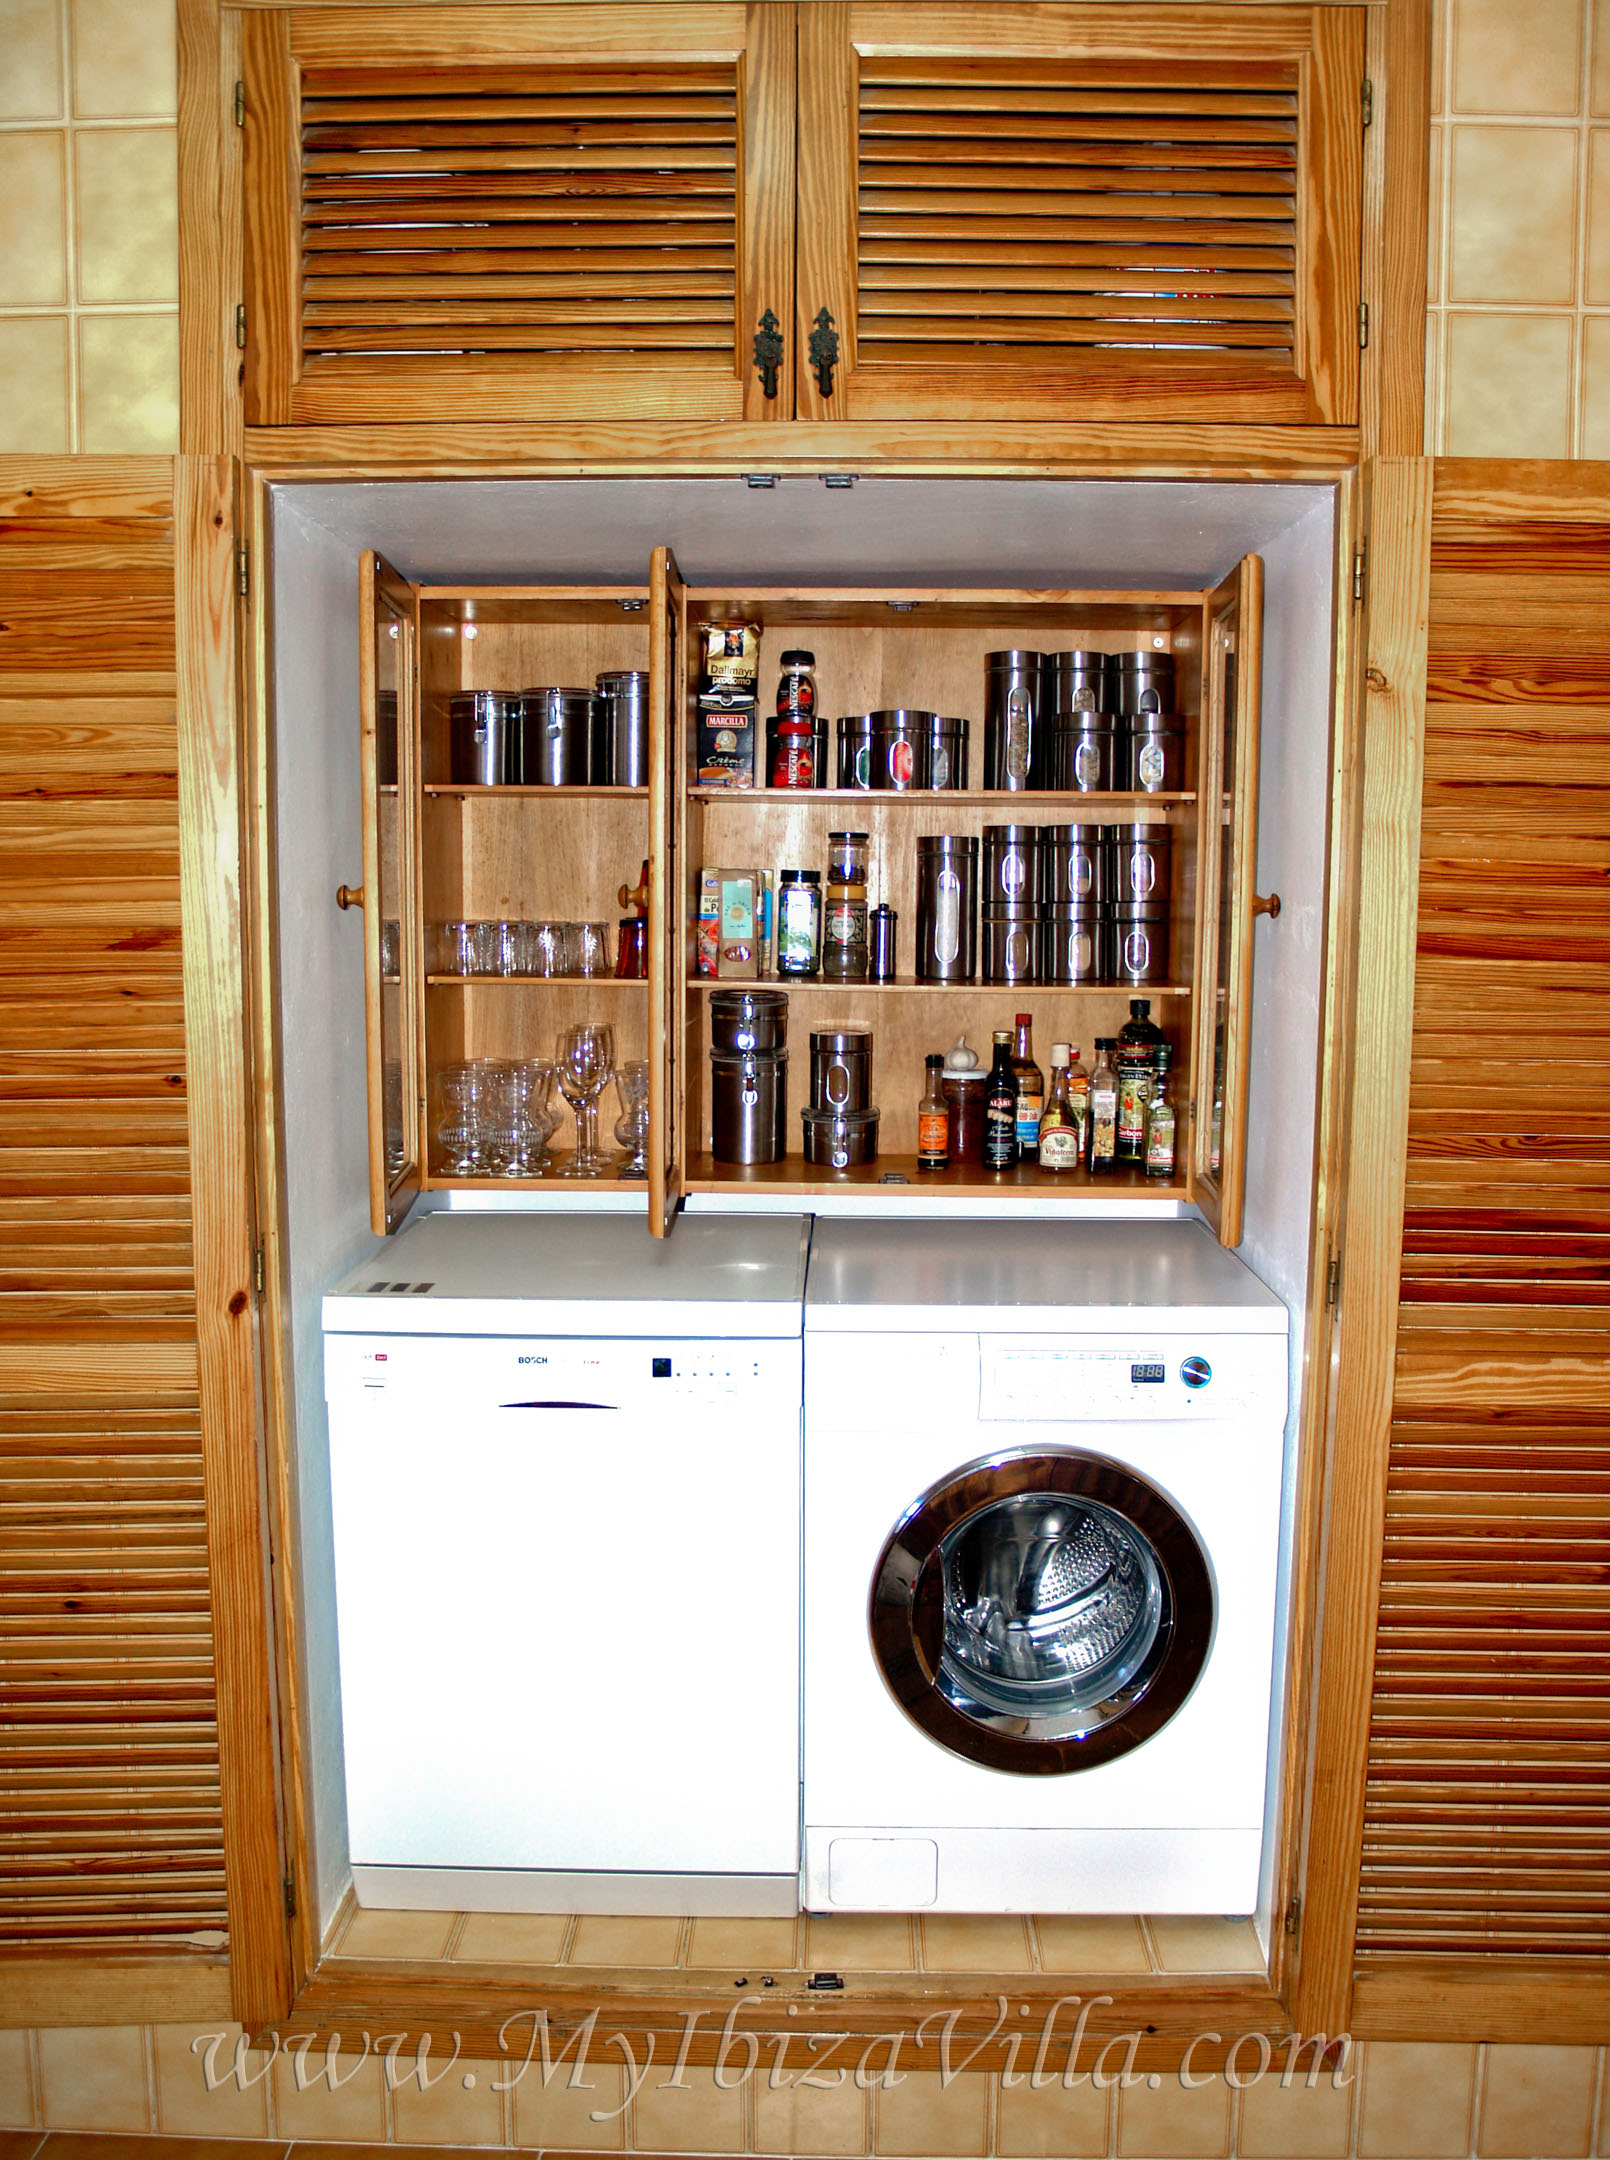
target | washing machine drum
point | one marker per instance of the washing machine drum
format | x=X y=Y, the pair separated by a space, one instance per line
x=1042 y=1612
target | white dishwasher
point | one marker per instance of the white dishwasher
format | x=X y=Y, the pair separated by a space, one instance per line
x=565 y=1468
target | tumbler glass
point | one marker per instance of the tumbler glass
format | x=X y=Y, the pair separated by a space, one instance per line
x=589 y=949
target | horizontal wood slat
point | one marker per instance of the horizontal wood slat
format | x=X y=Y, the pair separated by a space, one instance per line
x=1487 y=1804
x=110 y=1826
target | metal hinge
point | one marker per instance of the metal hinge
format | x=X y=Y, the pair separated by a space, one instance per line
x=1367 y=101
x=1360 y=566
x=838 y=479
x=1363 y=322
x=259 y=1269
x=1294 y=1916
x=240 y=327
x=760 y=479
x=243 y=571
x=240 y=104
x=290 y=1898
x=1333 y=1279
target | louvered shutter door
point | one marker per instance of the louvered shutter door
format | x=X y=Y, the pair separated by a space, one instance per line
x=1083 y=213
x=109 y=1778
x=1487 y=1815
x=451 y=217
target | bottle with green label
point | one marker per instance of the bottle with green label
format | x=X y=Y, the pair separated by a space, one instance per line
x=1161 y=1122
x=1102 y=1146
x=1136 y=1063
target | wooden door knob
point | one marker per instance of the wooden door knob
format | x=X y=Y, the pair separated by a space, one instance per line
x=349 y=896
x=1266 y=904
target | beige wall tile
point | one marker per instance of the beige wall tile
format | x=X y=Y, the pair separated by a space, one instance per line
x=1047 y=2124
x=128 y=214
x=1512 y=59
x=1599 y=72
x=30 y=38
x=185 y=2108
x=17 y=2107
x=1439 y=56
x=1091 y=1942
x=1166 y=2120
x=1536 y=2100
x=128 y=384
x=1512 y=211
x=975 y=1942
x=33 y=384
x=603 y=1940
x=859 y=1942
x=696 y=2114
x=1186 y=1943
x=1506 y=388
x=1415 y=2100
x=746 y=1945
x=383 y=1934
x=1596 y=277
x=125 y=59
x=562 y=2114
x=1596 y=416
x=1295 y=2122
x=351 y=2110
x=33 y=218
x=924 y=2115
x=513 y=1938
x=1436 y=211
x=463 y=2108
x=1433 y=406
x=826 y=2118
x=94 y=2078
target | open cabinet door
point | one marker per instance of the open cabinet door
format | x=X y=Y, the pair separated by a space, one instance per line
x=391 y=933
x=1227 y=849
x=667 y=776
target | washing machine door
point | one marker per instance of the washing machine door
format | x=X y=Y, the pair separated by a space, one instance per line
x=1042 y=1611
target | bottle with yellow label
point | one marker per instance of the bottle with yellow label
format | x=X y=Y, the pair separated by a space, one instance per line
x=1060 y=1135
x=933 y=1120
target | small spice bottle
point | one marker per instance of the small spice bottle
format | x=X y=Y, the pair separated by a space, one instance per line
x=799 y=923
x=933 y=1119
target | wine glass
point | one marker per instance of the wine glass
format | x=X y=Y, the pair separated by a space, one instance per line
x=584 y=1058
x=631 y=1128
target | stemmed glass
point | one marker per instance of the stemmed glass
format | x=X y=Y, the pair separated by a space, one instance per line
x=584 y=1059
x=631 y=1128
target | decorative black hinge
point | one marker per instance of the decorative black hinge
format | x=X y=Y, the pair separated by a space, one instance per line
x=769 y=352
x=824 y=351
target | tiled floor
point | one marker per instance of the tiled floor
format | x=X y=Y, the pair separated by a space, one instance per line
x=853 y=1942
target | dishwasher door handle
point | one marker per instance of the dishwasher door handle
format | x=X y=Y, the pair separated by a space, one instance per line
x=547 y=1405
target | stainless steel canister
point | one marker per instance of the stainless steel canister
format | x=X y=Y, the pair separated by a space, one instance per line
x=749 y=1108
x=483 y=737
x=1014 y=754
x=1132 y=674
x=1075 y=865
x=558 y=726
x=1140 y=863
x=1154 y=752
x=620 y=729
x=742 y=1021
x=839 y=1139
x=855 y=751
x=841 y=1068
x=899 y=738
x=1012 y=945
x=1074 y=946
x=1140 y=943
x=1076 y=682
x=942 y=754
x=1083 y=752
x=1011 y=865
x=947 y=908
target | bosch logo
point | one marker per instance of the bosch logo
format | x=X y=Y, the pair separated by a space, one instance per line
x=531 y=1361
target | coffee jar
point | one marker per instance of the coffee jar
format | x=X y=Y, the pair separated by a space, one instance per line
x=840 y=1139
x=947 y=908
x=854 y=767
x=558 y=729
x=942 y=754
x=745 y=1021
x=483 y=739
x=620 y=729
x=749 y=1107
x=1132 y=674
x=1076 y=681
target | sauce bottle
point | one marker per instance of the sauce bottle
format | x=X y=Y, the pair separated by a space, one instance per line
x=1000 y=1107
x=1136 y=1062
x=1103 y=1143
x=1160 y=1123
x=1059 y=1131
x=933 y=1119
x=1030 y=1091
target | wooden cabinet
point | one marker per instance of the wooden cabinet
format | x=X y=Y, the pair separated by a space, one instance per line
x=535 y=853
x=846 y=210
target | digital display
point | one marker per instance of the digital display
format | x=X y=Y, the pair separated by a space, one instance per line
x=1145 y=1374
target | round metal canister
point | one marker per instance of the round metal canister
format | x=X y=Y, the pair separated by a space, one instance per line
x=1014 y=753
x=942 y=754
x=1140 y=864
x=1011 y=865
x=855 y=751
x=1074 y=946
x=1076 y=681
x=620 y=729
x=1154 y=753
x=1132 y=674
x=1083 y=752
x=898 y=740
x=1140 y=943
x=1011 y=939
x=749 y=1108
x=947 y=908
x=839 y=1139
x=558 y=726
x=1075 y=865
x=818 y=748
x=483 y=736
x=745 y=1021
x=841 y=1068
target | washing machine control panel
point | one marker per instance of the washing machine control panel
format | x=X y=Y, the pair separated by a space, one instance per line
x=1038 y=1380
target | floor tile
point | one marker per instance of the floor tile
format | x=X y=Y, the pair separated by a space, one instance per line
x=18 y=2109
x=608 y=1939
x=127 y=202
x=1091 y=1942
x=1415 y=2100
x=695 y=2115
x=1536 y=2100
x=462 y=2105
x=513 y=1938
x=34 y=416
x=923 y=2115
x=93 y=2078
x=33 y=221
x=1294 y=2122
x=1512 y=207
x=561 y=2114
x=859 y=1942
x=745 y=1945
x=199 y=2091
x=823 y=2118
x=30 y=84
x=1188 y=1944
x=1164 y=2119
x=1507 y=385
x=124 y=59
x=21 y=2144
x=1052 y=2122
x=974 y=1942
x=378 y=1933
x=351 y=2107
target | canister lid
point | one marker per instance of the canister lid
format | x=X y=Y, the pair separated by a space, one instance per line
x=947 y=843
x=901 y=718
x=1148 y=663
x=1022 y=836
x=796 y=656
x=748 y=1001
x=842 y=1042
x=801 y=877
x=1016 y=659
x=824 y=1118
x=615 y=681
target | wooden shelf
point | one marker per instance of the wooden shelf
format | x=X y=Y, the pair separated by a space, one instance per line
x=933 y=798
x=470 y=792
x=553 y=1181
x=556 y=982
x=957 y=1181
x=819 y=985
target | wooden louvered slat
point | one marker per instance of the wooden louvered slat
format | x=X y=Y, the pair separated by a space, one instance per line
x=1487 y=1803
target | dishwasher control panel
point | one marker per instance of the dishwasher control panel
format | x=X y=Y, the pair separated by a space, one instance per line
x=646 y=1376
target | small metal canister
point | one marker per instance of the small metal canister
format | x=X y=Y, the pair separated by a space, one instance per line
x=1011 y=865
x=1083 y=751
x=745 y=1021
x=1012 y=945
x=841 y=1068
x=1140 y=864
x=1140 y=955
x=882 y=925
x=749 y=1108
x=1077 y=682
x=1075 y=865
x=483 y=739
x=1132 y=674
x=947 y=908
x=620 y=729
x=1154 y=752
x=1073 y=946
x=839 y=1139
x=899 y=742
x=942 y=754
x=1014 y=753
x=558 y=727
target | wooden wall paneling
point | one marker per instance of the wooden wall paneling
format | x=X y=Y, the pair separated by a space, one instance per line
x=272 y=221
x=1396 y=519
x=209 y=229
x=222 y=1115
x=1396 y=217
x=1332 y=212
x=767 y=98
x=825 y=181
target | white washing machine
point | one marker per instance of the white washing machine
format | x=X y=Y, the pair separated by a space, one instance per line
x=1042 y=1519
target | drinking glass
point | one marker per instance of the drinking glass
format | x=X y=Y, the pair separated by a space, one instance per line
x=454 y=949
x=631 y=1128
x=550 y=948
x=589 y=949
x=507 y=948
x=584 y=1058
x=535 y=1118
x=460 y=1125
x=484 y=947
x=500 y=1132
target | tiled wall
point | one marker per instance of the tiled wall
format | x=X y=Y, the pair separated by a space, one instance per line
x=1399 y=2103
x=89 y=349
x=1518 y=359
